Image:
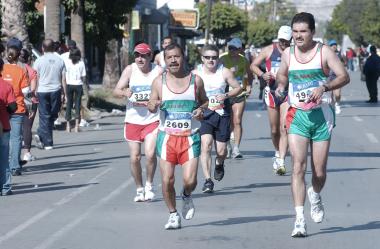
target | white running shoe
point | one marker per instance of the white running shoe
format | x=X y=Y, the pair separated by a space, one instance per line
x=188 y=209
x=338 y=110
x=48 y=147
x=84 y=123
x=174 y=221
x=139 y=195
x=299 y=230
x=28 y=157
x=57 y=122
x=236 y=154
x=279 y=166
x=149 y=193
x=317 y=210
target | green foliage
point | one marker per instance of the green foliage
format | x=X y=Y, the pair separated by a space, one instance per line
x=370 y=22
x=194 y=56
x=359 y=19
x=34 y=21
x=285 y=11
x=261 y=32
x=226 y=20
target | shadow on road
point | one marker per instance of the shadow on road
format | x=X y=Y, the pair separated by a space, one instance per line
x=369 y=226
x=258 y=185
x=71 y=165
x=60 y=146
x=42 y=188
x=360 y=103
x=243 y=220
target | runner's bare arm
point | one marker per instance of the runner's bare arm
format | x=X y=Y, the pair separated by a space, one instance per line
x=201 y=98
x=121 y=89
x=232 y=82
x=155 y=95
x=282 y=74
x=333 y=63
x=255 y=66
x=157 y=59
x=330 y=61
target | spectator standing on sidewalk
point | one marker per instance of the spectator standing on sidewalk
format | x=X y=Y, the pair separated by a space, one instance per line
x=16 y=75
x=51 y=82
x=371 y=71
x=8 y=106
x=31 y=105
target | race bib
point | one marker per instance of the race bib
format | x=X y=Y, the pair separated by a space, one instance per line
x=301 y=94
x=178 y=123
x=213 y=103
x=140 y=94
x=275 y=66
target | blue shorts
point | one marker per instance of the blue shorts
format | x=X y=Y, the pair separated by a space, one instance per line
x=217 y=126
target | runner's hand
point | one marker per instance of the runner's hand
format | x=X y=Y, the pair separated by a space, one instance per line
x=316 y=95
x=128 y=93
x=220 y=97
x=248 y=90
x=267 y=76
x=153 y=104
x=198 y=114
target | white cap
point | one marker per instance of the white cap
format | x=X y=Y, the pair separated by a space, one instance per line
x=235 y=42
x=285 y=32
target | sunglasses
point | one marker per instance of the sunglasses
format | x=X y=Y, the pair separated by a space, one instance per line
x=232 y=48
x=141 y=55
x=210 y=57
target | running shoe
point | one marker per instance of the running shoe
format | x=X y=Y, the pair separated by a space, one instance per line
x=149 y=193
x=174 y=221
x=28 y=157
x=299 y=230
x=278 y=166
x=39 y=144
x=188 y=209
x=317 y=210
x=236 y=154
x=48 y=147
x=218 y=171
x=208 y=186
x=139 y=195
x=338 y=110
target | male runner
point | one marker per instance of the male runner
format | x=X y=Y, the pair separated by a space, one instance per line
x=337 y=92
x=276 y=107
x=239 y=65
x=310 y=119
x=140 y=124
x=182 y=99
x=159 y=58
x=216 y=122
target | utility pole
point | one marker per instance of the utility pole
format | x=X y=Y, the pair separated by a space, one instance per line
x=207 y=32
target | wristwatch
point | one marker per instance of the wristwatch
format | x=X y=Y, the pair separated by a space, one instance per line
x=325 y=88
x=226 y=95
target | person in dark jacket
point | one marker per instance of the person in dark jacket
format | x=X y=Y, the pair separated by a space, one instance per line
x=371 y=71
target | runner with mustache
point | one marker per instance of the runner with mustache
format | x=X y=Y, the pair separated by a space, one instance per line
x=310 y=119
x=181 y=98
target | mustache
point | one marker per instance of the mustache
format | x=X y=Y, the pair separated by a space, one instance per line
x=174 y=64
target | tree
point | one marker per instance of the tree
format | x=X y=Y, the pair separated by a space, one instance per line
x=261 y=32
x=370 y=22
x=77 y=24
x=13 y=20
x=226 y=20
x=285 y=10
x=52 y=28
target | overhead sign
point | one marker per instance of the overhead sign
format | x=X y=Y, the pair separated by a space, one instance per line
x=184 y=19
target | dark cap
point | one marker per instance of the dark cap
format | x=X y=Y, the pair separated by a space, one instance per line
x=71 y=44
x=14 y=42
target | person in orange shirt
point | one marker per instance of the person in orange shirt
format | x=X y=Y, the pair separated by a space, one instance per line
x=16 y=75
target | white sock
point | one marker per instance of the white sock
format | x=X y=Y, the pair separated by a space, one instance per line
x=314 y=194
x=277 y=153
x=148 y=183
x=299 y=212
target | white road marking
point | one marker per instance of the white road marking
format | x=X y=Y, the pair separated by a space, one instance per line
x=358 y=119
x=47 y=211
x=53 y=238
x=372 y=138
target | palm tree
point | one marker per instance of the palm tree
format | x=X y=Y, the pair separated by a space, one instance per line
x=77 y=25
x=52 y=21
x=13 y=20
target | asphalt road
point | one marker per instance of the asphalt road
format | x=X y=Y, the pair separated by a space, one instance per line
x=80 y=195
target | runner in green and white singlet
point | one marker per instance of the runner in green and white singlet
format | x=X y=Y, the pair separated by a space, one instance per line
x=181 y=97
x=310 y=119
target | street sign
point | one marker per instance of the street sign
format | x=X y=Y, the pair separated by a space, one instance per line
x=184 y=19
